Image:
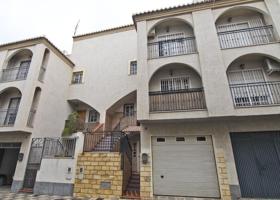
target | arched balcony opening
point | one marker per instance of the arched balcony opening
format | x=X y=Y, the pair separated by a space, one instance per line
x=44 y=64
x=17 y=66
x=122 y=114
x=9 y=104
x=88 y=118
x=170 y=38
x=244 y=26
x=34 y=106
x=176 y=87
x=254 y=80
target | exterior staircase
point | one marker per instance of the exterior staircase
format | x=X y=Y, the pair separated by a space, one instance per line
x=133 y=187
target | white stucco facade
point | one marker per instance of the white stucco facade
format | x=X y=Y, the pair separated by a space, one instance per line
x=179 y=52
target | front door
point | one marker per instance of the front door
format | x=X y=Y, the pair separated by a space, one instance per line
x=257 y=159
x=135 y=156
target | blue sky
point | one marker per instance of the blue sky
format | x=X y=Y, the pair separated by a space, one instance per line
x=56 y=19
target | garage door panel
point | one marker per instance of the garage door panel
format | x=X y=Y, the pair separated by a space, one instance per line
x=257 y=158
x=184 y=169
x=188 y=188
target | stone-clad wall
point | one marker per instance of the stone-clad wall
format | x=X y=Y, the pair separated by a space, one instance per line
x=223 y=175
x=146 y=181
x=101 y=177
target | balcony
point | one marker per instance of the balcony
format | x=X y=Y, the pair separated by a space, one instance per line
x=242 y=27
x=256 y=94
x=246 y=37
x=254 y=81
x=176 y=87
x=173 y=47
x=9 y=104
x=171 y=37
x=14 y=74
x=191 y=99
x=8 y=117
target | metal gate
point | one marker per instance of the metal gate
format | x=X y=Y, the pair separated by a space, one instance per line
x=257 y=159
x=34 y=162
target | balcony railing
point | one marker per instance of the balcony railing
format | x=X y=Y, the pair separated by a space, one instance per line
x=8 y=117
x=246 y=37
x=172 y=47
x=191 y=99
x=14 y=74
x=256 y=94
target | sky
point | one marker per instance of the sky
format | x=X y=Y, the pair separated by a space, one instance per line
x=56 y=19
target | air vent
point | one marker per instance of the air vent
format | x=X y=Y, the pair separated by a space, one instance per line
x=160 y=139
x=201 y=139
x=180 y=139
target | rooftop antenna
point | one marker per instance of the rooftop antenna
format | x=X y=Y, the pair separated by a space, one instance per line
x=76 y=27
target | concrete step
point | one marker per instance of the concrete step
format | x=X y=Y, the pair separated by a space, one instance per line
x=132 y=194
x=26 y=190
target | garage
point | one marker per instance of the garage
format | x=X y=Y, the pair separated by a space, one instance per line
x=184 y=166
x=8 y=161
x=257 y=160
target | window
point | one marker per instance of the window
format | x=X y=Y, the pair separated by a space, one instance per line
x=12 y=111
x=23 y=69
x=93 y=116
x=171 y=44
x=128 y=110
x=77 y=77
x=179 y=83
x=133 y=68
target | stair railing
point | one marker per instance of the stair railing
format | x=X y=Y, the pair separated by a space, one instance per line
x=105 y=141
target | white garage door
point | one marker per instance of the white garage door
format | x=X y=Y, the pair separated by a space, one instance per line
x=184 y=166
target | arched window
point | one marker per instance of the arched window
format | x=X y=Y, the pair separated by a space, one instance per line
x=44 y=65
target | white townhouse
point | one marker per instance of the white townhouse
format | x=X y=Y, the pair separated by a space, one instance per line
x=185 y=102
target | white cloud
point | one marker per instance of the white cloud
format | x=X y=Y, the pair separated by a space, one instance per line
x=57 y=18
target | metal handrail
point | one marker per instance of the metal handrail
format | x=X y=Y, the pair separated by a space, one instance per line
x=246 y=37
x=189 y=99
x=172 y=47
x=255 y=94
x=246 y=29
x=14 y=74
x=8 y=116
x=173 y=40
x=176 y=91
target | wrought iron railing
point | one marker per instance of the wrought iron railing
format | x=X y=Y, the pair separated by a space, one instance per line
x=246 y=37
x=59 y=147
x=14 y=74
x=8 y=116
x=172 y=47
x=255 y=94
x=104 y=141
x=190 y=99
